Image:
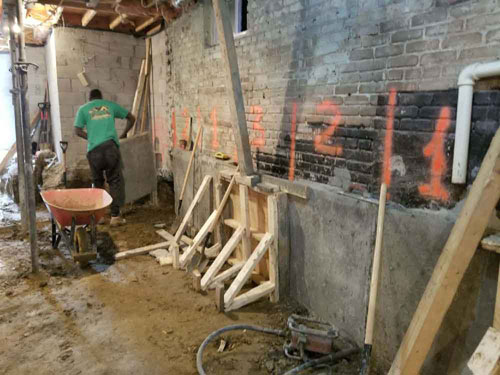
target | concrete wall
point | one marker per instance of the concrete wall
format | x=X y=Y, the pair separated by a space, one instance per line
x=37 y=79
x=55 y=114
x=111 y=61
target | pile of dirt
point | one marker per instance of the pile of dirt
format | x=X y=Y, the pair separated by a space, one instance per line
x=53 y=177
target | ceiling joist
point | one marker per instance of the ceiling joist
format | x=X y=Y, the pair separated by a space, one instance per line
x=88 y=16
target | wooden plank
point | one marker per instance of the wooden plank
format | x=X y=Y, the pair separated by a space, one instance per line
x=297 y=189
x=140 y=89
x=233 y=86
x=491 y=243
x=154 y=30
x=218 y=198
x=141 y=250
x=145 y=108
x=232 y=223
x=247 y=269
x=223 y=276
x=196 y=280
x=273 y=225
x=245 y=222
x=219 y=297
x=211 y=252
x=88 y=16
x=496 y=318
x=197 y=198
x=252 y=295
x=486 y=358
x=146 y=23
x=117 y=21
x=200 y=236
x=452 y=264
x=222 y=258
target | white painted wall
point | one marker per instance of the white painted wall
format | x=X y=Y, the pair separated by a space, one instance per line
x=7 y=122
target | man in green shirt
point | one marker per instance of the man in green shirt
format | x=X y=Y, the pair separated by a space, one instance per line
x=98 y=117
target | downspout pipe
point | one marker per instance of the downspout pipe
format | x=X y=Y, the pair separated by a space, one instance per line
x=466 y=82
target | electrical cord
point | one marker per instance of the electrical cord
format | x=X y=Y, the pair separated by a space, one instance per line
x=325 y=359
x=213 y=335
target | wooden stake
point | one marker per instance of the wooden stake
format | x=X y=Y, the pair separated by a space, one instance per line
x=273 y=228
x=452 y=264
x=245 y=221
x=219 y=297
x=233 y=86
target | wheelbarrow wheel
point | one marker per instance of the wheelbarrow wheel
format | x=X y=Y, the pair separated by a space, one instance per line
x=81 y=245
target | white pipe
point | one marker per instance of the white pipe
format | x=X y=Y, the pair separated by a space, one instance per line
x=466 y=81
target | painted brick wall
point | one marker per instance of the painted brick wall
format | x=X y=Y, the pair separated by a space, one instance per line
x=112 y=62
x=315 y=75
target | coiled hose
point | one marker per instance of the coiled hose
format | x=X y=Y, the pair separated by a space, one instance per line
x=213 y=335
x=313 y=363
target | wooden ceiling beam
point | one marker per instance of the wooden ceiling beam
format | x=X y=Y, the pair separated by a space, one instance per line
x=88 y=16
x=147 y=23
x=97 y=23
x=130 y=7
x=117 y=21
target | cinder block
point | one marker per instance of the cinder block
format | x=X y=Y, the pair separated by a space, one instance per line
x=64 y=84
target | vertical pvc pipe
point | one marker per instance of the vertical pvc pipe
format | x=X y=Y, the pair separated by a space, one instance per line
x=462 y=134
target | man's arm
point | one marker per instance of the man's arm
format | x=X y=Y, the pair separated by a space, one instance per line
x=80 y=133
x=130 y=123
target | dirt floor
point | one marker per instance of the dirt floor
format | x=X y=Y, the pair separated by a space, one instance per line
x=130 y=317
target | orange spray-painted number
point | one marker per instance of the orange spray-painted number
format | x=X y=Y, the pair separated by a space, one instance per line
x=260 y=139
x=186 y=127
x=291 y=170
x=320 y=141
x=435 y=150
x=215 y=140
x=388 y=138
x=174 y=130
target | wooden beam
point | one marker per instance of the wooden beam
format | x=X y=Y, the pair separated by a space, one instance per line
x=245 y=222
x=141 y=250
x=247 y=269
x=97 y=23
x=452 y=264
x=88 y=16
x=223 y=276
x=222 y=257
x=197 y=240
x=273 y=228
x=233 y=86
x=251 y=296
x=147 y=23
x=486 y=358
x=117 y=21
x=154 y=30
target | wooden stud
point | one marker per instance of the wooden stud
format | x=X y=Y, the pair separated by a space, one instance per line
x=196 y=280
x=174 y=250
x=219 y=297
x=486 y=358
x=251 y=296
x=139 y=91
x=154 y=30
x=496 y=318
x=233 y=86
x=283 y=243
x=200 y=236
x=273 y=225
x=452 y=264
x=141 y=250
x=117 y=21
x=491 y=243
x=197 y=198
x=227 y=274
x=245 y=221
x=147 y=23
x=221 y=258
x=218 y=198
x=247 y=269
x=88 y=16
x=232 y=223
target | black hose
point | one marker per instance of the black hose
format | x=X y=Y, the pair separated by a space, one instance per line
x=326 y=359
x=213 y=335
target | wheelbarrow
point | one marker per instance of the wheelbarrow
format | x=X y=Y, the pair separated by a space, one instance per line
x=75 y=214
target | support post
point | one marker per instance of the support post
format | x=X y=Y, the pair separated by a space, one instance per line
x=28 y=165
x=233 y=86
x=19 y=131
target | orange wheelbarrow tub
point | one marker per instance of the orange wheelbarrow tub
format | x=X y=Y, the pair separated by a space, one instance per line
x=73 y=212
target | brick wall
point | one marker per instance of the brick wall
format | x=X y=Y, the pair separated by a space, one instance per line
x=112 y=62
x=316 y=75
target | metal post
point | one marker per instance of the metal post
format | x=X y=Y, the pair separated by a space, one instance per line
x=17 y=114
x=22 y=70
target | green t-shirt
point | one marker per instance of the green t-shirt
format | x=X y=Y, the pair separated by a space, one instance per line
x=99 y=118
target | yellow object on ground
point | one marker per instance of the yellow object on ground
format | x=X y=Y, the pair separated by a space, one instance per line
x=222 y=156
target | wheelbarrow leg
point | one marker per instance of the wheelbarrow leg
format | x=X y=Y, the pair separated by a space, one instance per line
x=54 y=234
x=93 y=234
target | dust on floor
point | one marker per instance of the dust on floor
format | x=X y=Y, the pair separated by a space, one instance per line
x=130 y=317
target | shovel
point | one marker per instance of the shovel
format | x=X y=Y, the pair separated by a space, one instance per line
x=64 y=147
x=372 y=304
x=199 y=260
x=178 y=220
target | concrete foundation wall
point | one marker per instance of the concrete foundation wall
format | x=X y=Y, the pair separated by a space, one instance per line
x=111 y=61
x=332 y=237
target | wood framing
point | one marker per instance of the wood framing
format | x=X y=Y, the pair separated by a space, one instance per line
x=452 y=264
x=233 y=86
x=88 y=16
x=252 y=295
x=141 y=250
x=486 y=358
x=222 y=258
x=273 y=224
x=200 y=236
x=245 y=221
x=147 y=23
x=247 y=269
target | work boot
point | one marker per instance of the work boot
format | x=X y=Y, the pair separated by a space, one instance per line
x=116 y=221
